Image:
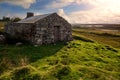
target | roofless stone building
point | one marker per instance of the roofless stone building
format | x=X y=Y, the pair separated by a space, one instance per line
x=41 y=29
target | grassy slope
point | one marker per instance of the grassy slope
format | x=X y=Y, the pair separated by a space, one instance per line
x=109 y=38
x=79 y=60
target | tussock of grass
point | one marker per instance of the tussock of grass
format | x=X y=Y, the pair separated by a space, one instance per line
x=23 y=73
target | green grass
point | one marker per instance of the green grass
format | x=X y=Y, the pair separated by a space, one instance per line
x=80 y=59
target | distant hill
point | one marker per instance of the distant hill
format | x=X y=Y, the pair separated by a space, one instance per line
x=100 y=26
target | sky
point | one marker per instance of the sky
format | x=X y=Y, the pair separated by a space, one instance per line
x=74 y=11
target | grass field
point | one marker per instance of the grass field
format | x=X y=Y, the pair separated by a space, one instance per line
x=106 y=37
x=80 y=59
x=84 y=58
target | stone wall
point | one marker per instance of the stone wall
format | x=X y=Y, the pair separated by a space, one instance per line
x=42 y=31
x=45 y=29
x=18 y=30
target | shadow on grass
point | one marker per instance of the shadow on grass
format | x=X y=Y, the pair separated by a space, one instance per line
x=13 y=56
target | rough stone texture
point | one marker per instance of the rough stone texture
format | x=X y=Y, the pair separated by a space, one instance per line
x=49 y=29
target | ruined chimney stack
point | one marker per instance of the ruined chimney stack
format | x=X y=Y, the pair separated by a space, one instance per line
x=29 y=14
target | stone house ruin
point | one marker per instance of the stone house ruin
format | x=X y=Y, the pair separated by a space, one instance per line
x=41 y=29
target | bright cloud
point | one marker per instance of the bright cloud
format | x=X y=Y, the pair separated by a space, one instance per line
x=102 y=11
x=62 y=13
x=24 y=3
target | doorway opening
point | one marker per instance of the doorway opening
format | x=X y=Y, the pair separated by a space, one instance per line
x=57 y=33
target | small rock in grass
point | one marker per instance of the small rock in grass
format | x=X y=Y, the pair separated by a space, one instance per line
x=35 y=45
x=19 y=44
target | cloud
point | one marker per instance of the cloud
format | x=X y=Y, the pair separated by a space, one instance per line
x=62 y=13
x=24 y=3
x=101 y=11
x=62 y=3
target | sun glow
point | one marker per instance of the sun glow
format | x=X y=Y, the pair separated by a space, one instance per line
x=101 y=11
x=113 y=5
